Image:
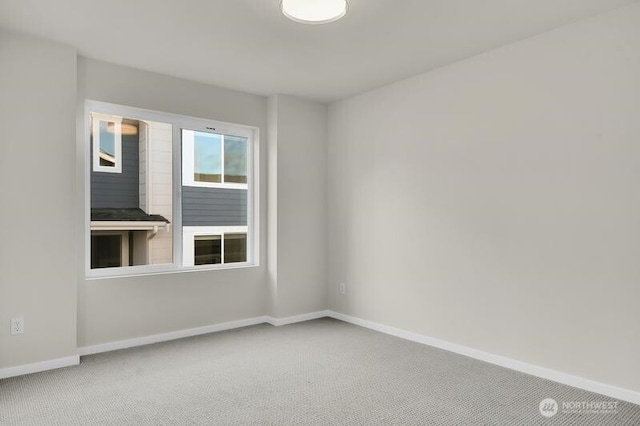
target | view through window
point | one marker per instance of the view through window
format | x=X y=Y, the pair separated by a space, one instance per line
x=170 y=194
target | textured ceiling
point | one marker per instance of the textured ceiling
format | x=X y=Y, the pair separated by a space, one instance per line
x=248 y=45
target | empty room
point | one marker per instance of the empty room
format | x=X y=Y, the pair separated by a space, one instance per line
x=320 y=212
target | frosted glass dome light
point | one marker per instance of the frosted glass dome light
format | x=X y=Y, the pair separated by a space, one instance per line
x=314 y=11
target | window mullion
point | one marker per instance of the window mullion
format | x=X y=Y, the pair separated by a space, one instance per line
x=222 y=248
x=177 y=231
x=222 y=165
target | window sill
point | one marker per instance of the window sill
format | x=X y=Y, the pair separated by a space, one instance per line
x=116 y=273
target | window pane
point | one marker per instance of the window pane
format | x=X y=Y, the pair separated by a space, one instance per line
x=207 y=249
x=107 y=143
x=207 y=157
x=106 y=251
x=235 y=248
x=235 y=159
x=139 y=200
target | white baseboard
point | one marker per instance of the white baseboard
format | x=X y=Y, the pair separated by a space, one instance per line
x=173 y=335
x=156 y=338
x=37 y=367
x=297 y=318
x=534 y=370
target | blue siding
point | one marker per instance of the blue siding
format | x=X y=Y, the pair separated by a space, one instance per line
x=118 y=190
x=214 y=206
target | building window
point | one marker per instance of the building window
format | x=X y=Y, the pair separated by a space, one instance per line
x=207 y=249
x=205 y=245
x=235 y=247
x=207 y=158
x=214 y=160
x=106 y=143
x=106 y=250
x=182 y=198
x=235 y=159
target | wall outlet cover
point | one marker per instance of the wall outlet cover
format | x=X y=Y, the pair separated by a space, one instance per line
x=17 y=326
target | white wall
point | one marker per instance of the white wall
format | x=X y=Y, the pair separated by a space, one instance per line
x=37 y=135
x=44 y=88
x=494 y=203
x=122 y=308
x=297 y=206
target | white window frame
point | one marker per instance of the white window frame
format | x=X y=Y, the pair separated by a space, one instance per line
x=188 y=168
x=117 y=135
x=178 y=122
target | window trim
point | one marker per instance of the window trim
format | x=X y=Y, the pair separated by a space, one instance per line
x=178 y=122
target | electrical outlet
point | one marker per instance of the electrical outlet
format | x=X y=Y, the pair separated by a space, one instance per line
x=343 y=288
x=17 y=326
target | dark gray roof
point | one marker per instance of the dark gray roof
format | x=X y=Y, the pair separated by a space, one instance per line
x=128 y=215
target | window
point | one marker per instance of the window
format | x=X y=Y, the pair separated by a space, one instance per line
x=212 y=249
x=207 y=161
x=107 y=143
x=235 y=159
x=205 y=245
x=106 y=250
x=182 y=196
x=235 y=247
x=214 y=160
x=207 y=249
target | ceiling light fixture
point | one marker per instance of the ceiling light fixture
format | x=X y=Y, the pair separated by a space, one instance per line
x=314 y=11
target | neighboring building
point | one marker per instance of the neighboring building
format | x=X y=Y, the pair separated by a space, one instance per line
x=214 y=198
x=132 y=197
x=131 y=203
